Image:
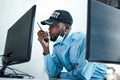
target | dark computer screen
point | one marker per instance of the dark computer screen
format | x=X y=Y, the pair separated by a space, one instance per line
x=103 y=33
x=19 y=40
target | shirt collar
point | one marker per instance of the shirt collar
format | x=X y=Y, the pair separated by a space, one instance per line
x=67 y=40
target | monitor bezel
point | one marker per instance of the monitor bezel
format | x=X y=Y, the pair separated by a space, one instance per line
x=89 y=38
x=9 y=59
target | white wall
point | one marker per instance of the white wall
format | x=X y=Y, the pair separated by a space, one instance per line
x=11 y=11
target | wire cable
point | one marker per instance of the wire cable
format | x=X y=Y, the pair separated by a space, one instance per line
x=19 y=74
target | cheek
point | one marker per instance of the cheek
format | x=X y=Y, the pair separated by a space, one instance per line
x=52 y=32
x=55 y=31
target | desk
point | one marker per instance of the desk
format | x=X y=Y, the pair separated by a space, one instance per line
x=31 y=79
x=17 y=79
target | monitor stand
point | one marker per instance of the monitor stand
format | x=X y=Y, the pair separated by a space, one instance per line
x=3 y=75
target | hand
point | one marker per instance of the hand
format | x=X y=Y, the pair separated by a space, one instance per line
x=41 y=36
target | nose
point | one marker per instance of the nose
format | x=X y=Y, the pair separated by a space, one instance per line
x=50 y=28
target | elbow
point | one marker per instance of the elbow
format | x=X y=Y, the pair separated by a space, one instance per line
x=50 y=75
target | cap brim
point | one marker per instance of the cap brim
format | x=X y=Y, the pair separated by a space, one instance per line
x=49 y=22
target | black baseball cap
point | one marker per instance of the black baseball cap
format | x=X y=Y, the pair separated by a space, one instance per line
x=57 y=17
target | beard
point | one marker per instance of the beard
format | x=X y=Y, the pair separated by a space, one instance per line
x=54 y=38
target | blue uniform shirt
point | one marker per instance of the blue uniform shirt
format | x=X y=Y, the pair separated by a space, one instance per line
x=70 y=53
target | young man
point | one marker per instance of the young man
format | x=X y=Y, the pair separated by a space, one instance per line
x=69 y=50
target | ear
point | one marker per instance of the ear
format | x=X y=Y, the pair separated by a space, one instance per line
x=67 y=27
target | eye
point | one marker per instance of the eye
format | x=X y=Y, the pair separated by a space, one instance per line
x=50 y=27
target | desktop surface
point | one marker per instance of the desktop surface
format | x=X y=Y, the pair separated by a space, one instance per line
x=32 y=79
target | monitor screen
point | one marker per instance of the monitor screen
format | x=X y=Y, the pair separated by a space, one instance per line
x=19 y=39
x=103 y=33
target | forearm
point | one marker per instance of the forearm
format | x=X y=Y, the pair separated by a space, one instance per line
x=74 y=75
x=81 y=72
x=51 y=69
x=89 y=72
x=46 y=51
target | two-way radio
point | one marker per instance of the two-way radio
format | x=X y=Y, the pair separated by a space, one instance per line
x=46 y=39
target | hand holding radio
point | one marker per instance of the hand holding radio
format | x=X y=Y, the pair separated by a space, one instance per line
x=45 y=39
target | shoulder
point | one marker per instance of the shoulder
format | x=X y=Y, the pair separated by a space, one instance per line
x=78 y=35
x=74 y=36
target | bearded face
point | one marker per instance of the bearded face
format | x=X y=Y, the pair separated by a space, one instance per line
x=55 y=31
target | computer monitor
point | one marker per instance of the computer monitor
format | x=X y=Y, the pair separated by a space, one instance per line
x=103 y=33
x=118 y=4
x=19 y=41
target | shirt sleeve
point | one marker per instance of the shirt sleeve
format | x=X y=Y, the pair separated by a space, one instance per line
x=52 y=65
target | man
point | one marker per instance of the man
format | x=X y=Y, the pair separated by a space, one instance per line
x=69 y=50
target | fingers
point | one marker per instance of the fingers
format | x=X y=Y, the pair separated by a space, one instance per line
x=42 y=35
